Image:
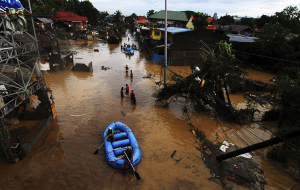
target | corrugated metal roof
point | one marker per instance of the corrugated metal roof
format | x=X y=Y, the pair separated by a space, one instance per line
x=241 y=38
x=172 y=15
x=235 y=28
x=175 y=30
x=45 y=20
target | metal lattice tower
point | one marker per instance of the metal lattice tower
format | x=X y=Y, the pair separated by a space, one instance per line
x=20 y=75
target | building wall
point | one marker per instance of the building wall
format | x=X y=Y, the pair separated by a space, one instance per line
x=155 y=34
x=185 y=48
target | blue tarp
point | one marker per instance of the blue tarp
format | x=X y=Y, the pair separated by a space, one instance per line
x=175 y=30
x=156 y=57
x=13 y=4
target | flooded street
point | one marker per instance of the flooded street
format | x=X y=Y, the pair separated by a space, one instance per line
x=86 y=102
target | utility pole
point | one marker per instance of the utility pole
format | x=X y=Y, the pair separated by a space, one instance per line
x=166 y=45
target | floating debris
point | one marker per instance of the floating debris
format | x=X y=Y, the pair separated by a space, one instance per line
x=122 y=112
x=105 y=68
x=178 y=161
x=172 y=155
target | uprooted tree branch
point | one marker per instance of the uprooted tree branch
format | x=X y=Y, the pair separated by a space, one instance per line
x=205 y=87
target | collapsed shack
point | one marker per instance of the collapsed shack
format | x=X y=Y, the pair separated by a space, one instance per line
x=242 y=171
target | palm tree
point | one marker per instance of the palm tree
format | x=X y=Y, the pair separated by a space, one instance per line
x=117 y=17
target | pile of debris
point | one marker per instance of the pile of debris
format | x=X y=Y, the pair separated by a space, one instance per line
x=241 y=170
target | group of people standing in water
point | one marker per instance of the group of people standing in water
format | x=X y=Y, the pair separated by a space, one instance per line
x=132 y=94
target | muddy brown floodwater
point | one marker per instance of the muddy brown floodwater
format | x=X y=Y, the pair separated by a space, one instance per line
x=87 y=102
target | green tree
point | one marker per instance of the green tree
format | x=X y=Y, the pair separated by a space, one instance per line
x=288 y=84
x=117 y=17
x=102 y=15
x=218 y=66
x=226 y=20
x=248 y=22
x=200 y=20
x=150 y=12
x=133 y=16
x=291 y=13
x=273 y=40
x=260 y=22
x=87 y=9
x=289 y=18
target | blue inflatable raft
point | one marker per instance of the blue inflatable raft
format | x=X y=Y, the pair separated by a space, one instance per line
x=129 y=51
x=123 y=137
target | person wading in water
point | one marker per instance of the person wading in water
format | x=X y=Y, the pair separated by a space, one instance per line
x=127 y=88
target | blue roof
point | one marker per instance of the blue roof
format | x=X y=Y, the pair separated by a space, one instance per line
x=175 y=30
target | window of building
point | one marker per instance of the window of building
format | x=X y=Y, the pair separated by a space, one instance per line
x=156 y=33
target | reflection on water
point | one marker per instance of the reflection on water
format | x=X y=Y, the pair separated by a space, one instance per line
x=86 y=102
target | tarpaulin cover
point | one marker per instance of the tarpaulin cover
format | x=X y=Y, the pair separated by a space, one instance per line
x=175 y=30
x=13 y=4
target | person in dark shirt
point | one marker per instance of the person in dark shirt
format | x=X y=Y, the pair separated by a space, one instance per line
x=132 y=96
x=122 y=92
x=127 y=68
x=129 y=154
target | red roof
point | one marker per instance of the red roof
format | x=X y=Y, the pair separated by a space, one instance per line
x=142 y=20
x=209 y=19
x=213 y=26
x=69 y=16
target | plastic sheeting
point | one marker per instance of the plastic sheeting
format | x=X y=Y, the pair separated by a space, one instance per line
x=13 y=21
x=226 y=145
x=11 y=4
x=246 y=155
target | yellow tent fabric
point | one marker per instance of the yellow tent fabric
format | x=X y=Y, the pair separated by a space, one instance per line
x=190 y=25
